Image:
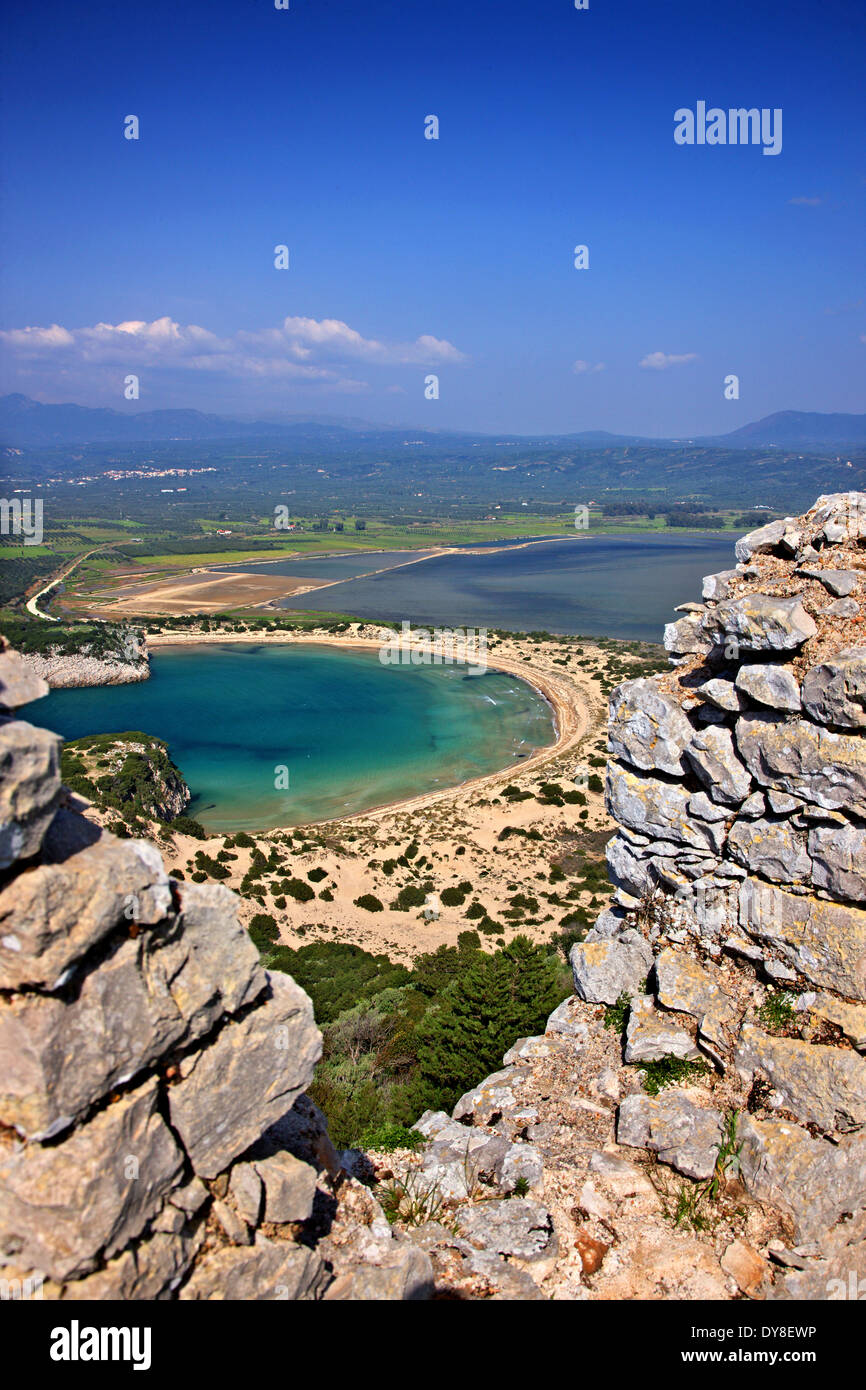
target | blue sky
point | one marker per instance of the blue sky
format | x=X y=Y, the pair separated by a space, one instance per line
x=408 y=257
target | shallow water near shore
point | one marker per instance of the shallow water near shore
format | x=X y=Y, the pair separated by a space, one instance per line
x=351 y=732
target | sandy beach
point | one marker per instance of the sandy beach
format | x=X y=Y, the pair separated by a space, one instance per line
x=501 y=835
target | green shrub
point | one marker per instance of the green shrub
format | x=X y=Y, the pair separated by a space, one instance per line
x=412 y=895
x=388 y=1137
x=369 y=903
x=297 y=889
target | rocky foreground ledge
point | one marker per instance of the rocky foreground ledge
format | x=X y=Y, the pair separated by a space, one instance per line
x=692 y=1124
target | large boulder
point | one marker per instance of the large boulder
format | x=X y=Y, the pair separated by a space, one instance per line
x=63 y=1205
x=812 y=1181
x=821 y=1085
x=683 y=984
x=763 y=541
x=29 y=788
x=19 y=684
x=712 y=755
x=657 y=809
x=685 y=1135
x=838 y=855
x=759 y=623
x=647 y=728
x=834 y=692
x=651 y=1036
x=603 y=970
x=775 y=849
x=157 y=988
x=809 y=762
x=769 y=685
x=53 y=915
x=268 y=1270
x=824 y=941
x=246 y=1078
x=839 y=517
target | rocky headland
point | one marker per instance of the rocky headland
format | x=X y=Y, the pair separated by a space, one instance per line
x=117 y=657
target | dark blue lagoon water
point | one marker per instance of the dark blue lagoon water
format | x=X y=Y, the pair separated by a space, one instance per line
x=351 y=732
x=328 y=566
x=610 y=586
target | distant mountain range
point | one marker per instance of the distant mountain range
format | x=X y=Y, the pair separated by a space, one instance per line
x=27 y=423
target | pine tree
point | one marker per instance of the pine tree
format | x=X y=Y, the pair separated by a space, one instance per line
x=498 y=999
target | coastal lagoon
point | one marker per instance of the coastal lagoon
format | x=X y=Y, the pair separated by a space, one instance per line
x=595 y=586
x=351 y=732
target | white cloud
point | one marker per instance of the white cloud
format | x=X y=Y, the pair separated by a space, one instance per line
x=310 y=349
x=803 y=202
x=580 y=367
x=659 y=361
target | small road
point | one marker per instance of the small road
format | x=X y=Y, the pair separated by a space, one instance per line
x=32 y=604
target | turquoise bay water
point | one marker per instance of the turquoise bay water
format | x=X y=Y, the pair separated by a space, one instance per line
x=352 y=732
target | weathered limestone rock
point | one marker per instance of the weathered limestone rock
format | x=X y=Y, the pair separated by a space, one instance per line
x=53 y=914
x=367 y=1262
x=246 y=1078
x=683 y=1134
x=712 y=755
x=268 y=1269
x=289 y=1187
x=62 y=1206
x=685 y=637
x=404 y=1275
x=840 y=517
x=650 y=1036
x=647 y=728
x=825 y=1086
x=151 y=1269
x=29 y=788
x=851 y=1018
x=233 y=1227
x=603 y=970
x=245 y=1190
x=838 y=854
x=566 y=1022
x=804 y=760
x=811 y=1180
x=774 y=686
x=772 y=848
x=839 y=582
x=518 y=1229
x=721 y=693
x=628 y=867
x=685 y=985
x=19 y=685
x=190 y=1198
x=834 y=692
x=522 y=1163
x=717 y=586
x=657 y=809
x=763 y=541
x=825 y=941
x=495 y=1095
x=57 y=1058
x=759 y=623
